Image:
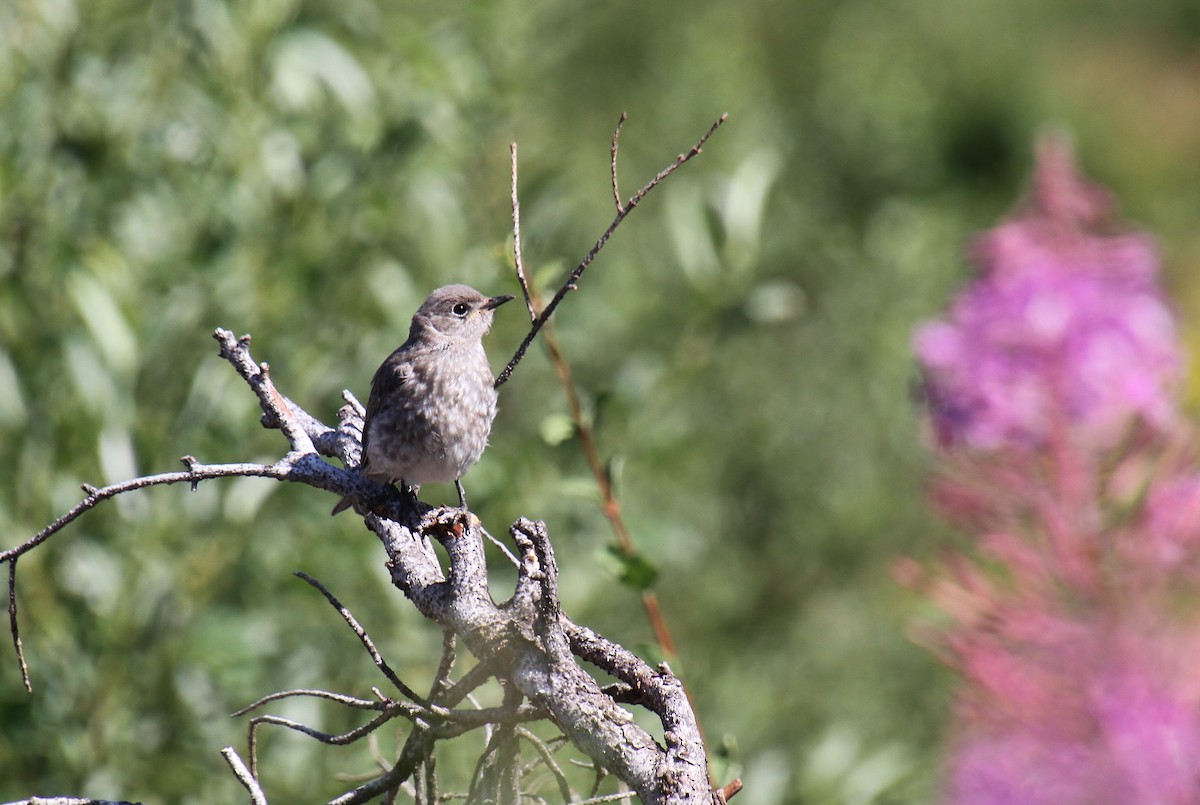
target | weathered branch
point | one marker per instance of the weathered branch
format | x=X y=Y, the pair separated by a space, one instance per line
x=244 y=776
x=532 y=651
x=258 y=377
x=583 y=427
x=526 y=642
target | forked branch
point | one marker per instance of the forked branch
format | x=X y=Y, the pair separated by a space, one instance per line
x=526 y=643
x=623 y=210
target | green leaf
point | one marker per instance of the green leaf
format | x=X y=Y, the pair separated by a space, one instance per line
x=556 y=429
x=633 y=570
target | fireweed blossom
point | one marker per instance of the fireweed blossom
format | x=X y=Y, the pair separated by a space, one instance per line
x=1074 y=617
x=1066 y=321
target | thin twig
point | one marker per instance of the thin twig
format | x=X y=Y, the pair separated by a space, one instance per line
x=341 y=698
x=547 y=757
x=70 y=801
x=570 y=284
x=470 y=681
x=471 y=719
x=503 y=548
x=430 y=764
x=516 y=219
x=365 y=639
x=420 y=742
x=195 y=473
x=410 y=758
x=613 y=161
x=390 y=709
x=600 y=771
x=562 y=368
x=460 y=721
x=339 y=739
x=244 y=775
x=441 y=677
x=617 y=797
x=12 y=624
x=505 y=714
x=730 y=790
x=487 y=728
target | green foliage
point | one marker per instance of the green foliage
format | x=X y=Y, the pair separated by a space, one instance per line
x=307 y=171
x=634 y=571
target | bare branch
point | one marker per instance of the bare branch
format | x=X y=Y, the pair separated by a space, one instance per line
x=340 y=698
x=12 y=624
x=301 y=464
x=258 y=376
x=326 y=737
x=694 y=151
x=546 y=754
x=69 y=801
x=587 y=440
x=527 y=644
x=348 y=446
x=661 y=691
x=727 y=793
x=570 y=284
x=469 y=682
x=365 y=638
x=431 y=788
x=245 y=777
x=613 y=152
x=617 y=797
x=195 y=473
x=415 y=752
x=518 y=261
x=471 y=719
x=502 y=548
x=445 y=723
x=441 y=678
x=537 y=666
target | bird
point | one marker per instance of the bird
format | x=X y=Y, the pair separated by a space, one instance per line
x=434 y=398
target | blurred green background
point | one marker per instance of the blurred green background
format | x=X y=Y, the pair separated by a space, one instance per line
x=307 y=172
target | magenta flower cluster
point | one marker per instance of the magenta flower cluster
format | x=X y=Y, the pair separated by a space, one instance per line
x=1066 y=320
x=1074 y=620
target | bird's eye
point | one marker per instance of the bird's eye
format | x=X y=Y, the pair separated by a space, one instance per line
x=461 y=309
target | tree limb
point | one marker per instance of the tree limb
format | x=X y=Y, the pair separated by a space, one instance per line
x=526 y=642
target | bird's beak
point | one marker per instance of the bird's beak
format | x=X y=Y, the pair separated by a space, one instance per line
x=496 y=301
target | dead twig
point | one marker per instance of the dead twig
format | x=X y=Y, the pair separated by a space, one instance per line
x=365 y=639
x=516 y=219
x=12 y=624
x=245 y=776
x=622 y=212
x=562 y=368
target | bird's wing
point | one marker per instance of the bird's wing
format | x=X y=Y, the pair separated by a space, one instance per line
x=389 y=378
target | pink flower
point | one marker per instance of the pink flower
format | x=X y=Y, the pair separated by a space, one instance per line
x=1024 y=768
x=1151 y=736
x=1074 y=618
x=1066 y=326
x=1124 y=736
x=1171 y=527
